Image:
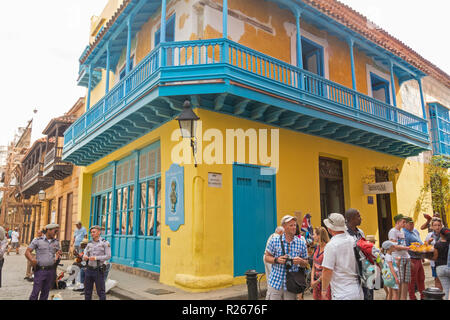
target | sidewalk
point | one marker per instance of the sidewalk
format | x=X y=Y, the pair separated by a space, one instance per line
x=132 y=287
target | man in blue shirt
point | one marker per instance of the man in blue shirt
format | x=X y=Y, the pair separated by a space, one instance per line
x=417 y=271
x=79 y=234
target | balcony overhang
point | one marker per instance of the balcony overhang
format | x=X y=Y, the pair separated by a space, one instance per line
x=265 y=90
x=83 y=77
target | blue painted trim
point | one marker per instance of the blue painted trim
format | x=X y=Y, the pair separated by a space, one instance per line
x=394 y=92
x=225 y=19
x=352 y=59
x=136 y=211
x=163 y=21
x=384 y=84
x=88 y=103
x=108 y=66
x=422 y=99
x=127 y=65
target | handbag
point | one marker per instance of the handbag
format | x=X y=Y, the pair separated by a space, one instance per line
x=295 y=281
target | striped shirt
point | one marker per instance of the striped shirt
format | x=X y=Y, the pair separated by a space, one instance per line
x=297 y=248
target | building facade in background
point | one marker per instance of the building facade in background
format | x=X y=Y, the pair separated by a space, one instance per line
x=330 y=107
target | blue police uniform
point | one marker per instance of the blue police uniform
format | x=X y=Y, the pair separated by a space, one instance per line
x=44 y=273
x=95 y=270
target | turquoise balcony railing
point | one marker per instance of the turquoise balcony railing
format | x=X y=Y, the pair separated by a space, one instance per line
x=221 y=58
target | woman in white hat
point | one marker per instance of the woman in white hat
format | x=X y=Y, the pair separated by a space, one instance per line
x=3 y=247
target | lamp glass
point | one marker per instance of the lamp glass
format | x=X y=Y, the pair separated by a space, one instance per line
x=41 y=195
x=186 y=127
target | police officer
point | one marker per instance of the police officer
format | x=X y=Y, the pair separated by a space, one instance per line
x=97 y=252
x=48 y=252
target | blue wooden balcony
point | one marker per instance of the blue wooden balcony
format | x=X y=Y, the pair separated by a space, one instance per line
x=226 y=77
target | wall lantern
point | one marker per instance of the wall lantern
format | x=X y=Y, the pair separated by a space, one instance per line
x=41 y=195
x=188 y=125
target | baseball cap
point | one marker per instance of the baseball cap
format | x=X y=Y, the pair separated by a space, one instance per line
x=95 y=227
x=336 y=222
x=409 y=219
x=399 y=217
x=287 y=218
x=387 y=244
x=52 y=226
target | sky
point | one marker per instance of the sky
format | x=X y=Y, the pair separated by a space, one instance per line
x=42 y=41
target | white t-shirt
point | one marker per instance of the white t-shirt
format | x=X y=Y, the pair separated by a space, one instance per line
x=339 y=256
x=398 y=236
x=389 y=258
x=14 y=236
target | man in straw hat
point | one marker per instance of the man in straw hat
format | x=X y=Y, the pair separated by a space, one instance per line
x=79 y=234
x=339 y=262
x=48 y=251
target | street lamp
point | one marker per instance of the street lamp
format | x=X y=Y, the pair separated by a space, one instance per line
x=41 y=195
x=188 y=124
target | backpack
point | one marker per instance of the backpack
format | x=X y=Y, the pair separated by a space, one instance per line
x=388 y=278
x=367 y=270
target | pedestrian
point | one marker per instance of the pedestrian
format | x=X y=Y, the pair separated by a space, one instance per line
x=397 y=236
x=78 y=235
x=440 y=256
x=427 y=224
x=268 y=266
x=3 y=248
x=83 y=265
x=339 y=262
x=432 y=238
x=417 y=271
x=321 y=238
x=96 y=253
x=353 y=220
x=29 y=272
x=15 y=244
x=295 y=255
x=9 y=233
x=48 y=252
x=389 y=248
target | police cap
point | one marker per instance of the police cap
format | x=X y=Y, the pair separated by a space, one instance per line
x=95 y=227
x=52 y=226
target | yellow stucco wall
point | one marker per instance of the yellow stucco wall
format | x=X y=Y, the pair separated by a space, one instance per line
x=200 y=255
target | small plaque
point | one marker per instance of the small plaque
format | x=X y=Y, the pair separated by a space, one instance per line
x=370 y=200
x=214 y=180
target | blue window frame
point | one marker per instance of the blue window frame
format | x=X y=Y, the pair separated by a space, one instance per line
x=380 y=88
x=313 y=59
x=123 y=71
x=170 y=31
x=440 y=129
x=102 y=199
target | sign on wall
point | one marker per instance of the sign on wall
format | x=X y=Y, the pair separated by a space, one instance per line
x=174 y=197
x=214 y=180
x=53 y=217
x=379 y=188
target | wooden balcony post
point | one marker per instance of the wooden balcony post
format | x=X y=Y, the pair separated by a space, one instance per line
x=225 y=31
x=298 y=13
x=351 y=44
x=88 y=102
x=127 y=67
x=163 y=21
x=108 y=65
x=394 y=97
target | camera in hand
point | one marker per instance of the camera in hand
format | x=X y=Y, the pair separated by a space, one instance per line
x=289 y=263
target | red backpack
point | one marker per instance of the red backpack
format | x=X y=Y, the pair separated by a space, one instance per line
x=366 y=248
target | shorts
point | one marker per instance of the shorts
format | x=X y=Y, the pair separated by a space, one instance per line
x=433 y=272
x=404 y=270
x=15 y=245
x=274 y=294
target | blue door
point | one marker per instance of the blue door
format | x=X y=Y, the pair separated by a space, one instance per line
x=254 y=216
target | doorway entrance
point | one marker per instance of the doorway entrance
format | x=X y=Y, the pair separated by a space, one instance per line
x=383 y=207
x=331 y=187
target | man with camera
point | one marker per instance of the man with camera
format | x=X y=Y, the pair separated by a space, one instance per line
x=97 y=252
x=48 y=253
x=287 y=253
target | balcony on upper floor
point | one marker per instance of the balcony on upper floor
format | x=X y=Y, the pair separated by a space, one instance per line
x=33 y=181
x=224 y=76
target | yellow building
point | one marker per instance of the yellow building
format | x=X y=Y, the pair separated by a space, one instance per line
x=317 y=95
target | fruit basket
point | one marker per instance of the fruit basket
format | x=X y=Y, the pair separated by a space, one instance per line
x=423 y=250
